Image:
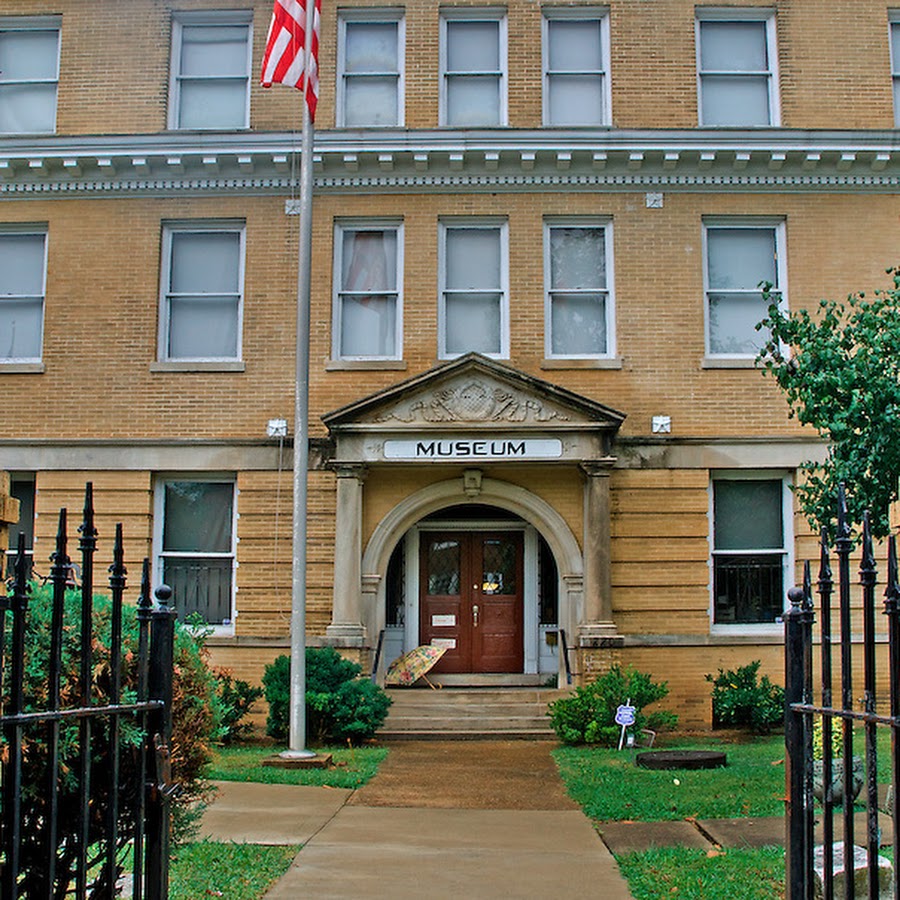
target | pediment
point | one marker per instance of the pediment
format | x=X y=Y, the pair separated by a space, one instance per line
x=473 y=392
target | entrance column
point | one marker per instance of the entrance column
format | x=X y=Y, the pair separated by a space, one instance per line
x=346 y=628
x=597 y=620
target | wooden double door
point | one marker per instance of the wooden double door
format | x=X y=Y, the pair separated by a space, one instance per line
x=471 y=599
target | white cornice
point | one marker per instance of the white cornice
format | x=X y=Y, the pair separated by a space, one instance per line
x=445 y=160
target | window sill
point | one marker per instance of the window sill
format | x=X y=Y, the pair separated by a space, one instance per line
x=605 y=363
x=349 y=365
x=748 y=628
x=728 y=362
x=23 y=368
x=188 y=366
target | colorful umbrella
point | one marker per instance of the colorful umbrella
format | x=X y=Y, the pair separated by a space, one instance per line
x=412 y=666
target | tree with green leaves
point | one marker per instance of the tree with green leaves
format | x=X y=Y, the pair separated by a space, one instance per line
x=839 y=369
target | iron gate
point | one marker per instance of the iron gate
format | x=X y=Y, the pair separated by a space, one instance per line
x=87 y=749
x=802 y=711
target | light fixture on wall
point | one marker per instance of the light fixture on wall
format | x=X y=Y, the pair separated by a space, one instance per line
x=277 y=428
x=661 y=425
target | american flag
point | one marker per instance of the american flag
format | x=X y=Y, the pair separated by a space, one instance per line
x=284 y=56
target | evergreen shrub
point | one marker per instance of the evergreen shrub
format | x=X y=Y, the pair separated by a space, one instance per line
x=741 y=699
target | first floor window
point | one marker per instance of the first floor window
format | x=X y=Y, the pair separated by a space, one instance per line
x=750 y=556
x=29 y=74
x=21 y=489
x=474 y=312
x=203 y=276
x=367 y=302
x=196 y=541
x=739 y=258
x=23 y=266
x=579 y=305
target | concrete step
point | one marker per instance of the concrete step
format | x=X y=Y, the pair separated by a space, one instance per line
x=468 y=713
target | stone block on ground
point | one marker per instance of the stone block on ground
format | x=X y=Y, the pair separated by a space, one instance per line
x=860 y=873
x=636 y=837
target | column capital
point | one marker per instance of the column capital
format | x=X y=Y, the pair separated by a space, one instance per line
x=597 y=468
x=356 y=470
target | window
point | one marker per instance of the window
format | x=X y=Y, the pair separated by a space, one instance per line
x=23 y=267
x=579 y=312
x=29 y=75
x=210 y=71
x=21 y=489
x=367 y=270
x=473 y=67
x=195 y=537
x=736 y=64
x=738 y=258
x=895 y=64
x=576 y=50
x=750 y=558
x=203 y=276
x=370 y=80
x=473 y=306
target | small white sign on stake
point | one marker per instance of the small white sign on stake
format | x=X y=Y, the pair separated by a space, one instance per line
x=625 y=718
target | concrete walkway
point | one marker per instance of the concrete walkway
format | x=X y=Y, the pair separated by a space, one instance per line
x=489 y=836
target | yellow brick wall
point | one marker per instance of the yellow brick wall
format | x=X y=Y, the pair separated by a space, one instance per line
x=833 y=57
x=102 y=307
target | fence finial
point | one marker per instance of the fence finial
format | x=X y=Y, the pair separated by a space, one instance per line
x=163 y=595
x=843 y=524
x=892 y=591
x=807 y=586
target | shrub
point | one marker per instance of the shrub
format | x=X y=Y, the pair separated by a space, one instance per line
x=236 y=697
x=196 y=719
x=741 y=699
x=588 y=715
x=340 y=705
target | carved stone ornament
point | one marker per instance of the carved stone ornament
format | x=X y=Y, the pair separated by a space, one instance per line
x=472 y=400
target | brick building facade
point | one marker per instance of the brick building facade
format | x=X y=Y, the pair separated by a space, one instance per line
x=538 y=233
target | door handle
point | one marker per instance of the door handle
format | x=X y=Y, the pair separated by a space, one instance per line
x=475 y=615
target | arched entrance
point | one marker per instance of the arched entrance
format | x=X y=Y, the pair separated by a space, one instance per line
x=491 y=581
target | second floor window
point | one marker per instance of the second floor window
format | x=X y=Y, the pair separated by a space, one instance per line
x=576 y=85
x=895 y=64
x=473 y=304
x=736 y=70
x=367 y=300
x=473 y=67
x=738 y=258
x=202 y=297
x=579 y=302
x=370 y=82
x=23 y=267
x=210 y=71
x=29 y=75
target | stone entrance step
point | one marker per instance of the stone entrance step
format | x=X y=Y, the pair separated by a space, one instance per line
x=469 y=713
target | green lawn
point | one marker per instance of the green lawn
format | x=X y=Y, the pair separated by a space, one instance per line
x=353 y=767
x=235 y=871
x=608 y=785
x=690 y=874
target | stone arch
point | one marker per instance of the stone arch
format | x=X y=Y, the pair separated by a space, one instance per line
x=493 y=492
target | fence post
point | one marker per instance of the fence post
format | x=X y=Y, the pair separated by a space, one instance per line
x=797 y=738
x=162 y=637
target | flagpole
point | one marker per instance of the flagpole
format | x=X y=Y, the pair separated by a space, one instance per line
x=297 y=741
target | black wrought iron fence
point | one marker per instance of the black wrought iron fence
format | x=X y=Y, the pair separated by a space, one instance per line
x=84 y=766
x=825 y=710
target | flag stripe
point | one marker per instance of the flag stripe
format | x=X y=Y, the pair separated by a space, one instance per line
x=283 y=62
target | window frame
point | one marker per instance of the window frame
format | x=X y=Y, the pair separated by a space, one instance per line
x=209 y=18
x=36 y=23
x=25 y=230
x=597 y=14
x=486 y=223
x=894 y=23
x=786 y=550
x=741 y=14
x=198 y=226
x=749 y=223
x=475 y=14
x=595 y=222
x=371 y=16
x=160 y=481
x=341 y=227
